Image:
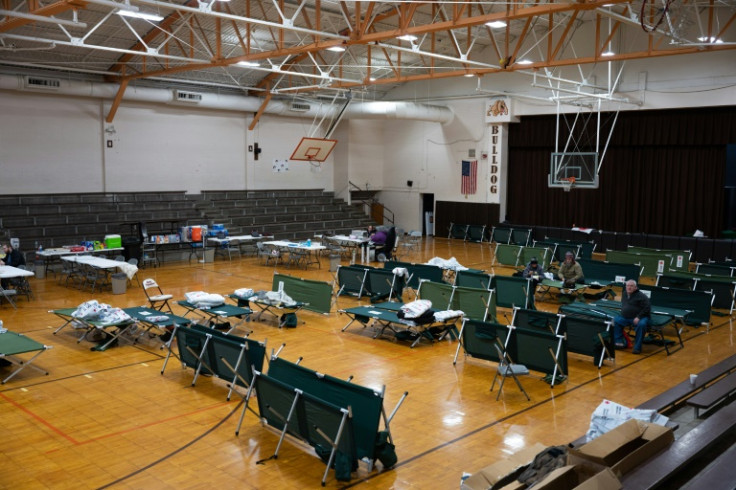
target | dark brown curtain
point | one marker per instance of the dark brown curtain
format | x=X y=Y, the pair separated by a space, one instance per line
x=663 y=172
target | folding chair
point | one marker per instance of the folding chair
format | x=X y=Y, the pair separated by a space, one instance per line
x=507 y=368
x=157 y=301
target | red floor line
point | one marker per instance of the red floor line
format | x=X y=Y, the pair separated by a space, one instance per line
x=39 y=419
x=149 y=424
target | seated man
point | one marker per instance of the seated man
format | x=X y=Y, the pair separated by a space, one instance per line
x=635 y=310
x=533 y=271
x=383 y=252
x=13 y=258
x=570 y=272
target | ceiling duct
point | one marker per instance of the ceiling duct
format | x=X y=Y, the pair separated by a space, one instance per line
x=188 y=97
x=299 y=107
x=40 y=83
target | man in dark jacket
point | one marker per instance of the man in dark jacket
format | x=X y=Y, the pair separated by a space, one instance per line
x=635 y=311
x=13 y=258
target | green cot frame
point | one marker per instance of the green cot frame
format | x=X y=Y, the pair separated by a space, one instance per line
x=292 y=411
x=111 y=331
x=475 y=233
x=365 y=404
x=722 y=287
x=539 y=350
x=652 y=263
x=351 y=280
x=226 y=356
x=679 y=259
x=471 y=279
x=417 y=272
x=714 y=269
x=475 y=303
x=604 y=272
x=586 y=248
x=698 y=302
x=457 y=231
x=316 y=295
x=513 y=291
x=558 y=250
x=13 y=344
x=501 y=234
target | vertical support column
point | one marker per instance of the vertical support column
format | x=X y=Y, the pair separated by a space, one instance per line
x=498 y=116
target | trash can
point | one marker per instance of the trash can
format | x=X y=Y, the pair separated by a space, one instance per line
x=40 y=269
x=334 y=262
x=119 y=283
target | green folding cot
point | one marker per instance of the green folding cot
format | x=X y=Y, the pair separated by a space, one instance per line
x=13 y=345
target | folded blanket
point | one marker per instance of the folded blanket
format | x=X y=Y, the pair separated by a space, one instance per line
x=200 y=299
x=443 y=315
x=415 y=309
x=244 y=293
x=100 y=312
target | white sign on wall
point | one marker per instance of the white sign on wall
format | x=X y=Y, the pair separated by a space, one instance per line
x=280 y=165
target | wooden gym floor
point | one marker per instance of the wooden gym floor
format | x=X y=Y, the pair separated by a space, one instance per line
x=110 y=419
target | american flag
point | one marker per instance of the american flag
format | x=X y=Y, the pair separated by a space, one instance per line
x=469 y=180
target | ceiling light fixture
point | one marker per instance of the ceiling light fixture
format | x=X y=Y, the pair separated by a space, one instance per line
x=496 y=24
x=246 y=63
x=372 y=79
x=140 y=15
x=336 y=49
x=408 y=37
x=712 y=40
x=608 y=53
x=524 y=62
x=468 y=75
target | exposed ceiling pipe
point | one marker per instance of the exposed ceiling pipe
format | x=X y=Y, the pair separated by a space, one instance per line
x=363 y=110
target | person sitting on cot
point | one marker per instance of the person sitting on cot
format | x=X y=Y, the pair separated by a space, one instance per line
x=533 y=271
x=570 y=272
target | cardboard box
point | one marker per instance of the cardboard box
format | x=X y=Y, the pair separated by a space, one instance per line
x=488 y=476
x=626 y=446
x=580 y=474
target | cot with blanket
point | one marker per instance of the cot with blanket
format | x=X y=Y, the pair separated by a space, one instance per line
x=111 y=331
x=13 y=345
x=477 y=304
x=385 y=316
x=226 y=356
x=340 y=419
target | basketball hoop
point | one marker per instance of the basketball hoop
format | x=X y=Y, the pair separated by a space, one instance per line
x=567 y=183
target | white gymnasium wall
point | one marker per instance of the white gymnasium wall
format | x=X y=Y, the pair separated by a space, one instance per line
x=165 y=148
x=366 y=156
x=49 y=144
x=55 y=144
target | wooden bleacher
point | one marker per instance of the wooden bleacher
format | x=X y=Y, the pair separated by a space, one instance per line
x=715 y=393
x=665 y=466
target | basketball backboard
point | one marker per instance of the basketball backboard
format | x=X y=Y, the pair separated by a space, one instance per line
x=580 y=168
x=313 y=150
